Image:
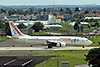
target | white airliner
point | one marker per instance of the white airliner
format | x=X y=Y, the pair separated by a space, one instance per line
x=51 y=19
x=28 y=24
x=52 y=26
x=51 y=40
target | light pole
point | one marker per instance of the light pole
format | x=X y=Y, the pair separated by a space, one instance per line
x=79 y=28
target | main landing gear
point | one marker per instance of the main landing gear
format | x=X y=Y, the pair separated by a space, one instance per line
x=50 y=46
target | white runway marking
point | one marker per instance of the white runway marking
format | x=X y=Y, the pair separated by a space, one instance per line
x=45 y=48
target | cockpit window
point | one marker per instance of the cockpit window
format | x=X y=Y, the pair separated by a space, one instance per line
x=86 y=40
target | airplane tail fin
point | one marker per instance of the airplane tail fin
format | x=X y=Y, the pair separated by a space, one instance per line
x=6 y=19
x=14 y=30
x=52 y=19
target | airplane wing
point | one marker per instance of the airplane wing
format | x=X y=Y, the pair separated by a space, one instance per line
x=56 y=43
x=52 y=41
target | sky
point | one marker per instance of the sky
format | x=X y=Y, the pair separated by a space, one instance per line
x=49 y=2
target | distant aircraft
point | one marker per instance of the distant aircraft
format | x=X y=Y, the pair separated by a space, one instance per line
x=29 y=24
x=51 y=19
x=52 y=26
x=48 y=40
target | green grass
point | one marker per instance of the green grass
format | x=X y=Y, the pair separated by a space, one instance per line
x=86 y=31
x=64 y=29
x=3 y=39
x=60 y=30
x=40 y=33
x=95 y=41
x=92 y=23
x=74 y=57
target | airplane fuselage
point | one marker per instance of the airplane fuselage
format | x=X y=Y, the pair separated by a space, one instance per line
x=66 y=39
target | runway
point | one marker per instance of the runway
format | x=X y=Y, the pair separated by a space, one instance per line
x=19 y=49
x=17 y=45
x=16 y=48
x=45 y=48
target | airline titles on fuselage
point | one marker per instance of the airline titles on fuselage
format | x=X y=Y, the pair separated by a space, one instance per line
x=64 y=39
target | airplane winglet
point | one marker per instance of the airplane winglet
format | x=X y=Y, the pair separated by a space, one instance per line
x=6 y=19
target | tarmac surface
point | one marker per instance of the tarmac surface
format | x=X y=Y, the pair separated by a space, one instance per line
x=22 y=61
x=17 y=43
x=84 y=65
x=17 y=48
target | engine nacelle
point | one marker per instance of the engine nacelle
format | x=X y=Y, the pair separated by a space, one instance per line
x=61 y=44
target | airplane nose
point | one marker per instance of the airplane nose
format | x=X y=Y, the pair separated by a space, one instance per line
x=90 y=42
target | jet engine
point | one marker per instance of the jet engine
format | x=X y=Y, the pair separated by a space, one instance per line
x=61 y=44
